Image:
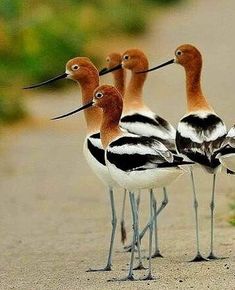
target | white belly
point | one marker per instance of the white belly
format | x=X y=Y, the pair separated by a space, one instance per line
x=98 y=168
x=228 y=161
x=151 y=178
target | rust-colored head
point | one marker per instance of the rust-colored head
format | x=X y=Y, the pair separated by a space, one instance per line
x=113 y=59
x=107 y=97
x=135 y=60
x=188 y=56
x=81 y=69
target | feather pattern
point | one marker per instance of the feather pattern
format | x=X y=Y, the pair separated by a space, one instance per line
x=199 y=135
x=146 y=123
x=226 y=153
x=133 y=152
x=95 y=147
x=95 y=157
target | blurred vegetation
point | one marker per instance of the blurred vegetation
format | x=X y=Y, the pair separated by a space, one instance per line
x=38 y=37
x=232 y=216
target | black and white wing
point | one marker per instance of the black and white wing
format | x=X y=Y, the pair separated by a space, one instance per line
x=150 y=125
x=228 y=145
x=199 y=135
x=94 y=146
x=129 y=153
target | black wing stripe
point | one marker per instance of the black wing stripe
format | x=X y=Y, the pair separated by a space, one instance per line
x=139 y=162
x=163 y=123
x=206 y=124
x=128 y=162
x=95 y=136
x=96 y=152
x=193 y=151
x=138 y=118
x=226 y=150
x=129 y=140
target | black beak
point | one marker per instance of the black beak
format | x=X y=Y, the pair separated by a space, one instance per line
x=62 y=76
x=105 y=71
x=157 y=67
x=75 y=111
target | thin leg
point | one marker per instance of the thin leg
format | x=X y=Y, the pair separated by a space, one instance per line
x=130 y=276
x=114 y=224
x=212 y=207
x=123 y=227
x=163 y=205
x=140 y=265
x=149 y=276
x=164 y=201
x=198 y=257
x=157 y=253
x=138 y=200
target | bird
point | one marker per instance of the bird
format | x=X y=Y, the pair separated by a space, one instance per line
x=134 y=161
x=226 y=153
x=83 y=71
x=114 y=59
x=200 y=132
x=139 y=119
x=119 y=76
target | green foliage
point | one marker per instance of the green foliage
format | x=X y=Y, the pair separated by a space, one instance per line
x=232 y=216
x=11 y=109
x=38 y=37
x=164 y=2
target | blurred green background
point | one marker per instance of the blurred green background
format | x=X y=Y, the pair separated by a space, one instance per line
x=38 y=37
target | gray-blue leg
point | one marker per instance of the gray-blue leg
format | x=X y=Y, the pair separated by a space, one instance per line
x=198 y=257
x=137 y=237
x=157 y=253
x=212 y=208
x=163 y=205
x=130 y=276
x=114 y=224
x=123 y=227
x=149 y=276
x=138 y=200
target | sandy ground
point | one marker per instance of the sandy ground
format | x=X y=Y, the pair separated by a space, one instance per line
x=54 y=214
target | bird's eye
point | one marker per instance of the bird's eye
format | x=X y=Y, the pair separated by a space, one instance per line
x=178 y=52
x=98 y=95
x=126 y=57
x=108 y=59
x=75 y=67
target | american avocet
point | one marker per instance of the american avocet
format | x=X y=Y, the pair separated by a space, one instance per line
x=226 y=153
x=134 y=161
x=114 y=59
x=200 y=132
x=81 y=70
x=137 y=118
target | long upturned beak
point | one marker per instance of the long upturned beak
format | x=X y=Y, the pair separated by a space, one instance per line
x=62 y=76
x=105 y=71
x=157 y=67
x=75 y=111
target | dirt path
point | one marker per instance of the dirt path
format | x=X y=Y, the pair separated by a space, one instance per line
x=54 y=214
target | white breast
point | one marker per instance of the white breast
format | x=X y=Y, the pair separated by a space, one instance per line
x=98 y=168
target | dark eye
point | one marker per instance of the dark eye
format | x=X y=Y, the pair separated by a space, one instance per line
x=75 y=67
x=98 y=95
x=108 y=59
x=178 y=52
x=126 y=57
